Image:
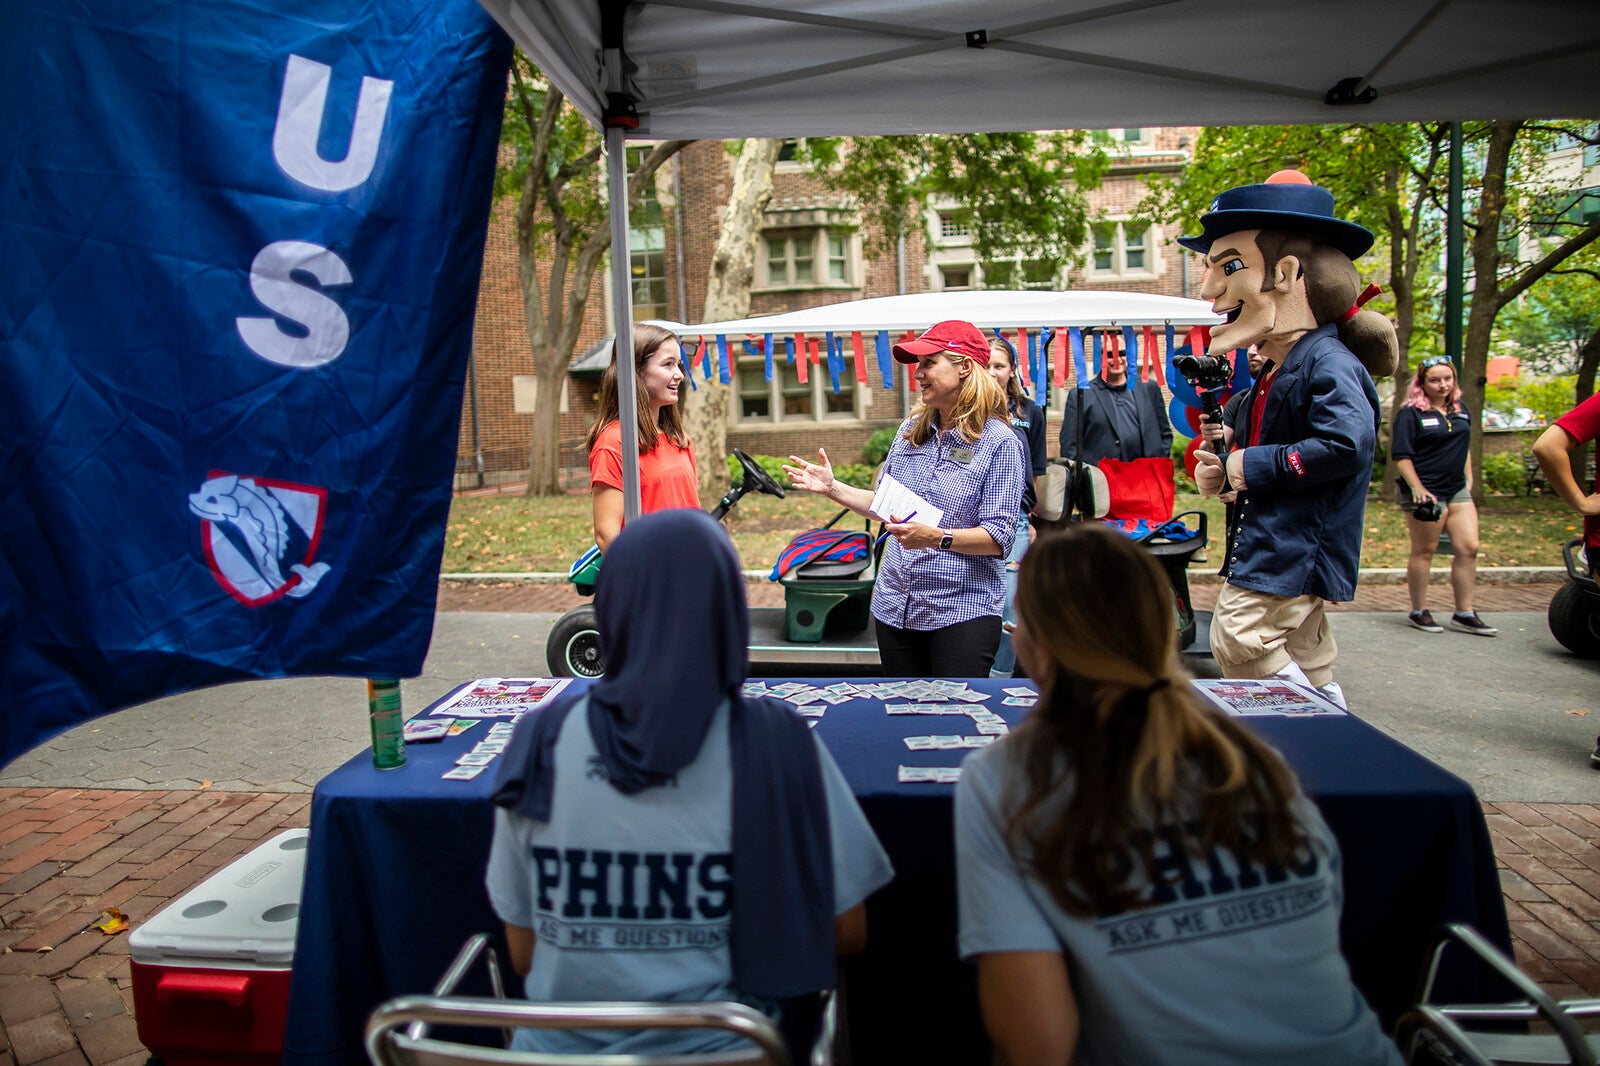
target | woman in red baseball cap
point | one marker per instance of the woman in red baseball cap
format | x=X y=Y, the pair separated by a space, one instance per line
x=940 y=586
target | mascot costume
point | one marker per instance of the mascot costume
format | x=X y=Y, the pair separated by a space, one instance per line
x=1279 y=267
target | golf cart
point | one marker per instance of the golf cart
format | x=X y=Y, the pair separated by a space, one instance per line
x=1574 y=614
x=824 y=619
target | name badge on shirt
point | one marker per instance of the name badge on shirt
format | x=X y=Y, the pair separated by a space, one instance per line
x=964 y=456
x=1431 y=423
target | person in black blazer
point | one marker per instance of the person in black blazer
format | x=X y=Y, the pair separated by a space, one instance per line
x=1122 y=418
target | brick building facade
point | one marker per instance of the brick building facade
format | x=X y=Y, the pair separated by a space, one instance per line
x=813 y=251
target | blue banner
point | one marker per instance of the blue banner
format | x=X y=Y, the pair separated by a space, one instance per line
x=243 y=244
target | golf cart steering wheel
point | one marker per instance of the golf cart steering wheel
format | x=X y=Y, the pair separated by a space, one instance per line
x=757 y=478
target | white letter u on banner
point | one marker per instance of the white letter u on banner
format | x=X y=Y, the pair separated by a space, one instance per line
x=300 y=113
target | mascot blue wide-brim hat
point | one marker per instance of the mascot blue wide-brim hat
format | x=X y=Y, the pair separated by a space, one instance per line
x=1285 y=201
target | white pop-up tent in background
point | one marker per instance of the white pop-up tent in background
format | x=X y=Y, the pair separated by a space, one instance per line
x=787 y=68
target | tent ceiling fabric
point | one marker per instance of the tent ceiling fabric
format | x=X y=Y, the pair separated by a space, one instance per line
x=708 y=68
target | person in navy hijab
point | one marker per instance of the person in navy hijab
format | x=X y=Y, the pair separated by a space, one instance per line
x=661 y=837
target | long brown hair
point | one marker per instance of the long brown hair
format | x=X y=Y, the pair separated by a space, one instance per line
x=1016 y=399
x=647 y=337
x=1118 y=725
x=979 y=400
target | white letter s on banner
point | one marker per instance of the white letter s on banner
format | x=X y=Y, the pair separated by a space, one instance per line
x=329 y=329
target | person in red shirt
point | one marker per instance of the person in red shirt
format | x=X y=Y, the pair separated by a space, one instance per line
x=666 y=455
x=1572 y=430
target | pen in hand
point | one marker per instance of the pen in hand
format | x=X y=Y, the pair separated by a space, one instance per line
x=885 y=533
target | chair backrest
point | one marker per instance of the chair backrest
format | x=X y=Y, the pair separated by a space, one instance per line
x=1448 y=1027
x=388 y=1046
x=1070 y=486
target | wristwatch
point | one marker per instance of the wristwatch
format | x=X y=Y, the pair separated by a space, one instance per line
x=946 y=540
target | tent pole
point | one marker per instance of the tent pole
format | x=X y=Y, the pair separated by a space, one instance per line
x=622 y=302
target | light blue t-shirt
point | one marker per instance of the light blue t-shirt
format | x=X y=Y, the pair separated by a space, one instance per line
x=1231 y=966
x=631 y=897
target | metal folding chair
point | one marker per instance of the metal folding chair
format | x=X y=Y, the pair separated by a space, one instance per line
x=1432 y=1032
x=399 y=1032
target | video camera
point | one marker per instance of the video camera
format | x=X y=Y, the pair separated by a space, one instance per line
x=1204 y=371
x=1207 y=373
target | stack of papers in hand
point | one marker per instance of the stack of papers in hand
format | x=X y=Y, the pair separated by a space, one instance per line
x=893 y=502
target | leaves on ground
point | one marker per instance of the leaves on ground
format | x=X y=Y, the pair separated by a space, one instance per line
x=112 y=922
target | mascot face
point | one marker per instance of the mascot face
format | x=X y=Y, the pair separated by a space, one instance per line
x=1233 y=283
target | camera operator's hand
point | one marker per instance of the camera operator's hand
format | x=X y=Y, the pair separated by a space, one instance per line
x=1210 y=431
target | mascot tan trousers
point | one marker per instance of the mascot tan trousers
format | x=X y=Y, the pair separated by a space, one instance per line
x=1258 y=634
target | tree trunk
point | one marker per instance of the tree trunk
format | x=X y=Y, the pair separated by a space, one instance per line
x=1402 y=286
x=1486 y=299
x=544 y=458
x=705 y=410
x=1588 y=361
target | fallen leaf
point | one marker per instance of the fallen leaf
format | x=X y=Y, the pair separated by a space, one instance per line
x=204 y=784
x=112 y=922
x=1580 y=714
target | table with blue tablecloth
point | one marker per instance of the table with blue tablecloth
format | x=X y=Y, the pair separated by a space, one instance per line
x=394 y=877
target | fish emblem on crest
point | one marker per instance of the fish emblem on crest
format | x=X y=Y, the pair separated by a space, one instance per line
x=250 y=526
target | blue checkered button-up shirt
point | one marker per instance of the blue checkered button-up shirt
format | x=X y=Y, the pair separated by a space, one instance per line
x=976 y=485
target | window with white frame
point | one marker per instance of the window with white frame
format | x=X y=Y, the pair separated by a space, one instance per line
x=953 y=228
x=647 y=243
x=807 y=258
x=786 y=399
x=955 y=277
x=1122 y=247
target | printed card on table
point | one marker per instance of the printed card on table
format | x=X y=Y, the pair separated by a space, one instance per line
x=501 y=697
x=1250 y=698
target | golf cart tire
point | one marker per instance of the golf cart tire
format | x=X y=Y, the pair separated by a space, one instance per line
x=1574 y=622
x=573 y=649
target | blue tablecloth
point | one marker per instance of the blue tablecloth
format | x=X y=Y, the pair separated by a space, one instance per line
x=394 y=878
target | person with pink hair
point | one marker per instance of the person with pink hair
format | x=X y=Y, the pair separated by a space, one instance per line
x=1430 y=446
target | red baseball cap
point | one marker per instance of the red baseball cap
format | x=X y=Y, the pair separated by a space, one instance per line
x=955 y=336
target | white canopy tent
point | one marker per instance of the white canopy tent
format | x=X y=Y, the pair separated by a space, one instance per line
x=785 y=68
x=765 y=68
x=985 y=308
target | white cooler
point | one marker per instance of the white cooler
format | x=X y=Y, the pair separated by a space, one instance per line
x=211 y=970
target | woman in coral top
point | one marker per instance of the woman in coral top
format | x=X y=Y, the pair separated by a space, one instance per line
x=666 y=457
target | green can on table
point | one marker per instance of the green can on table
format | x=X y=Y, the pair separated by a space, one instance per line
x=387 y=721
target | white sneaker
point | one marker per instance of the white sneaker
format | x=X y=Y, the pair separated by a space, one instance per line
x=1335 y=695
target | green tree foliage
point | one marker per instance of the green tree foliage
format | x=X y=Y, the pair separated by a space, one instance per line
x=1019 y=194
x=1522 y=220
x=1388 y=178
x=1530 y=401
x=1522 y=231
x=1551 y=324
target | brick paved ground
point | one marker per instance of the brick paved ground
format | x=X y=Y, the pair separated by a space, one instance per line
x=66 y=995
x=68 y=854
